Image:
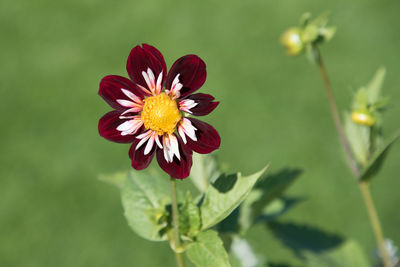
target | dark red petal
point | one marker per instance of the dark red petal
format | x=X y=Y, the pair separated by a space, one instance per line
x=108 y=128
x=192 y=70
x=204 y=105
x=157 y=54
x=208 y=138
x=141 y=161
x=179 y=169
x=142 y=58
x=110 y=90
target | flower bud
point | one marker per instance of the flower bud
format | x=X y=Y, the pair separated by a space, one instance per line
x=363 y=118
x=291 y=39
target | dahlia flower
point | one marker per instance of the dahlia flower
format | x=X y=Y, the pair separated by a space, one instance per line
x=153 y=110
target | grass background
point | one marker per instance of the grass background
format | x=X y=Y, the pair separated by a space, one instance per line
x=54 y=211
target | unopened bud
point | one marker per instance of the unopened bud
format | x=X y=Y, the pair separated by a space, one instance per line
x=363 y=118
x=292 y=41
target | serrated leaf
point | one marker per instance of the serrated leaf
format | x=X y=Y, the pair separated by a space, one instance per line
x=348 y=254
x=224 y=195
x=116 y=179
x=375 y=163
x=189 y=217
x=375 y=85
x=144 y=197
x=204 y=170
x=208 y=251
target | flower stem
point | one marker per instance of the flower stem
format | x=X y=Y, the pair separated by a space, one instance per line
x=335 y=115
x=363 y=185
x=175 y=221
x=376 y=225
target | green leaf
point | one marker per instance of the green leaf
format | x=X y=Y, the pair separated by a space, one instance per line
x=380 y=104
x=310 y=33
x=348 y=254
x=116 y=179
x=375 y=163
x=304 y=19
x=189 y=218
x=328 y=33
x=144 y=197
x=204 y=170
x=273 y=186
x=375 y=85
x=267 y=190
x=312 y=54
x=245 y=218
x=224 y=195
x=358 y=136
x=208 y=251
x=360 y=100
x=321 y=20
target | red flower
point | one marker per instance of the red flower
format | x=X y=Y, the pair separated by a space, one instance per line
x=151 y=111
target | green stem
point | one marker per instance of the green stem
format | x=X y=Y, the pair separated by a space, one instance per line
x=373 y=216
x=376 y=225
x=175 y=221
x=335 y=115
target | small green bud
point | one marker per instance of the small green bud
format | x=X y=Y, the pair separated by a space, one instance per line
x=310 y=33
x=328 y=33
x=363 y=118
x=292 y=41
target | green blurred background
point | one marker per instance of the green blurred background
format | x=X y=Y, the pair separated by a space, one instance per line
x=54 y=211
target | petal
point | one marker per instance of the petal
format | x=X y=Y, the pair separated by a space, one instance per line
x=178 y=169
x=171 y=147
x=192 y=74
x=204 y=103
x=143 y=58
x=131 y=126
x=158 y=141
x=150 y=143
x=185 y=127
x=208 y=138
x=143 y=138
x=140 y=161
x=108 y=125
x=112 y=88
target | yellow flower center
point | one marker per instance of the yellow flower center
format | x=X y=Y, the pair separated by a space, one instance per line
x=161 y=114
